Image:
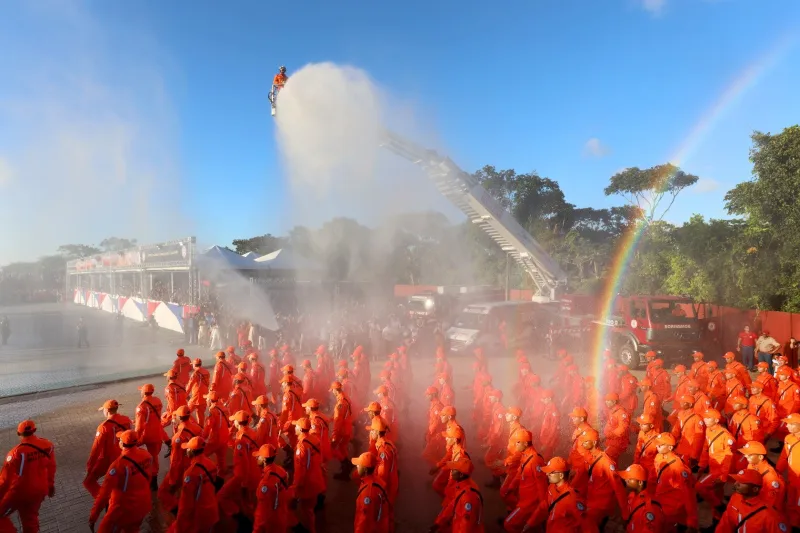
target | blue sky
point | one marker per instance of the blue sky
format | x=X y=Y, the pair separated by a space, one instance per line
x=150 y=118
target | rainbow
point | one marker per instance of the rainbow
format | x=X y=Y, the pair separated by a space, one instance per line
x=746 y=80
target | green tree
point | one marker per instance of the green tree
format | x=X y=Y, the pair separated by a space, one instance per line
x=76 y=251
x=652 y=191
x=115 y=244
x=769 y=204
x=261 y=245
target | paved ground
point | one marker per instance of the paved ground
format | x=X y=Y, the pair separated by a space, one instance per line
x=42 y=352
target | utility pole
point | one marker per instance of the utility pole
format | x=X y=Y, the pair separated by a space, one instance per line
x=507 y=272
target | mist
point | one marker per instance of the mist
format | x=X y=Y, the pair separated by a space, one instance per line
x=329 y=123
x=88 y=140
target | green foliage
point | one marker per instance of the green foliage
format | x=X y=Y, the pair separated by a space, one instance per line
x=262 y=245
x=652 y=191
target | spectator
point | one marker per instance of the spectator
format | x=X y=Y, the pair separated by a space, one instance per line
x=746 y=345
x=790 y=351
x=766 y=346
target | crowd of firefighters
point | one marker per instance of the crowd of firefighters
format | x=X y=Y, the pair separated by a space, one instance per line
x=552 y=456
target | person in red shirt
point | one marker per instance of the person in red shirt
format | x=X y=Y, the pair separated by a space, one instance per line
x=746 y=345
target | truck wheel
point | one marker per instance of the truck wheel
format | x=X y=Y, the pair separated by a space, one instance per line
x=628 y=356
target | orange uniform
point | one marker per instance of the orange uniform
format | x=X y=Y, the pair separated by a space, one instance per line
x=789 y=462
x=148 y=427
x=372 y=507
x=604 y=493
x=464 y=512
x=105 y=449
x=308 y=479
x=718 y=458
x=652 y=406
x=126 y=493
x=342 y=428
x=762 y=406
x=197 y=388
x=434 y=441
x=645 y=455
x=257 y=375
x=198 y=509
x=28 y=476
x=628 y=391
x=563 y=511
x=221 y=381
x=750 y=514
x=733 y=388
x=699 y=373
x=768 y=384
x=280 y=80
x=267 y=428
x=175 y=395
x=273 y=495
x=216 y=433
x=548 y=437
x=182 y=366
x=645 y=514
x=246 y=474
x=675 y=490
x=689 y=432
x=616 y=432
x=661 y=384
x=530 y=485
x=773 y=488
x=178 y=463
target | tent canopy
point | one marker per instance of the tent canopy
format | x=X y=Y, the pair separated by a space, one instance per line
x=218 y=257
x=285 y=259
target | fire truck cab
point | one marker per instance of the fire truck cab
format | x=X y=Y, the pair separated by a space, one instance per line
x=667 y=325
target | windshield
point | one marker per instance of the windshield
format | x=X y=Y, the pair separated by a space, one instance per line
x=665 y=311
x=470 y=321
x=416 y=305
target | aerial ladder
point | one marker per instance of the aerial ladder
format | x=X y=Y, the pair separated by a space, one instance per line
x=464 y=191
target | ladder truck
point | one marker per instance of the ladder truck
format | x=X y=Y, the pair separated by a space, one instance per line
x=464 y=191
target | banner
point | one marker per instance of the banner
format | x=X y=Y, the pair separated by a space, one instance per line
x=173 y=254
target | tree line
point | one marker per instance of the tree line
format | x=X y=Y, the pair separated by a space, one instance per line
x=749 y=260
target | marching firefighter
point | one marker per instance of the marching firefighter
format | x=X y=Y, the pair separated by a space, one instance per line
x=197 y=388
x=617 y=428
x=746 y=510
x=308 y=481
x=464 y=512
x=148 y=428
x=105 y=448
x=178 y=459
x=342 y=430
x=182 y=366
x=372 y=500
x=267 y=428
x=273 y=494
x=716 y=460
x=644 y=513
x=198 y=510
x=217 y=431
x=235 y=496
x=126 y=489
x=221 y=382
x=530 y=484
x=28 y=476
